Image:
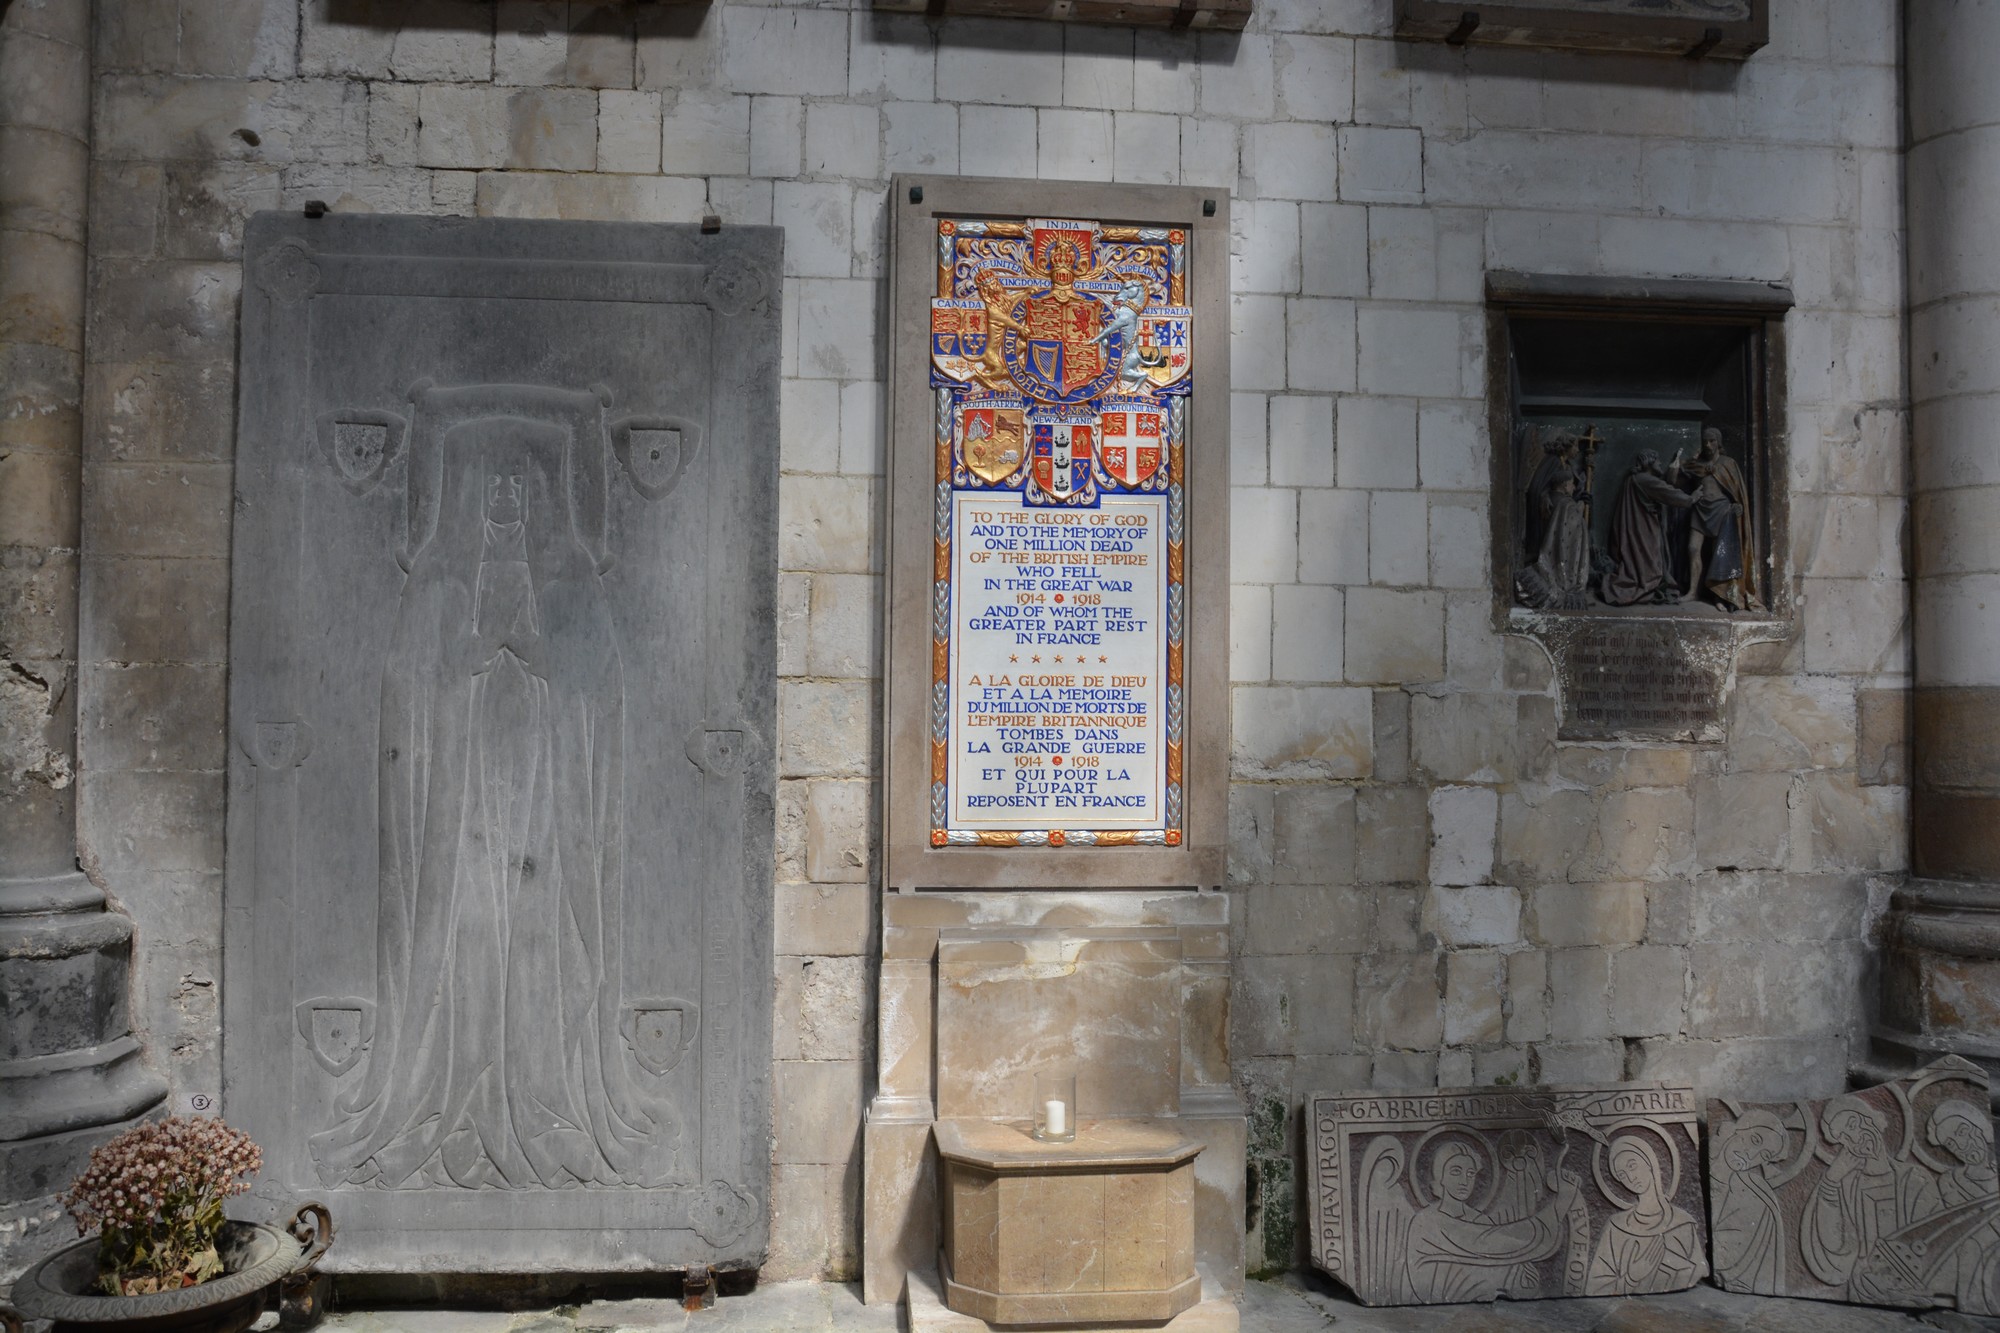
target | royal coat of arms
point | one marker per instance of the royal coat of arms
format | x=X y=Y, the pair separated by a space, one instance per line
x=1042 y=328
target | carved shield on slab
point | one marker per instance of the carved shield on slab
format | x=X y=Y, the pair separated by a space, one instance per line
x=498 y=977
x=1476 y=1194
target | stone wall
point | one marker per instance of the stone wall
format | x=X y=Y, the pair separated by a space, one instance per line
x=1431 y=888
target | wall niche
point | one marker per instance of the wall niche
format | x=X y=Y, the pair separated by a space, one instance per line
x=1638 y=482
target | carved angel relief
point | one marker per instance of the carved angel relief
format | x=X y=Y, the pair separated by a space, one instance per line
x=1479 y=1193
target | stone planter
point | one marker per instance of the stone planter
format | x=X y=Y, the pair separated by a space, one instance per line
x=255 y=1258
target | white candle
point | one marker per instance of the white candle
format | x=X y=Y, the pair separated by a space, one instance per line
x=1055 y=1117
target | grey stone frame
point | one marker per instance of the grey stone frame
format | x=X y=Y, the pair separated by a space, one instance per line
x=1761 y=306
x=910 y=861
x=1614 y=25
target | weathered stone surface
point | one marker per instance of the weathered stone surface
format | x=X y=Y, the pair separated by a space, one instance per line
x=1463 y=1194
x=1886 y=1196
x=495 y=456
x=1882 y=745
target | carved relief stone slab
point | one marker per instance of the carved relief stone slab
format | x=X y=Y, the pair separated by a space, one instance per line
x=1886 y=1196
x=1472 y=1194
x=502 y=687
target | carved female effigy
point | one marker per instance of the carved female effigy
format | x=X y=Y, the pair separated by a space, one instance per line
x=1475 y=1194
x=1887 y=1196
x=1061 y=353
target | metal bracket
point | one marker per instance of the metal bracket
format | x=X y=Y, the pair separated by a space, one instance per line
x=697 y=1288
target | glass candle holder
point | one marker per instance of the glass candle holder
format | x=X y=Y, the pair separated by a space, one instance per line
x=1055 y=1107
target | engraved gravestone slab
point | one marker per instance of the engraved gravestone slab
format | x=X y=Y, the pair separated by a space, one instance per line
x=502 y=703
x=1473 y=1194
x=1886 y=1196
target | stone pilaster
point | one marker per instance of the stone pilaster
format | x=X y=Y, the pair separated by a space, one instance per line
x=1941 y=973
x=70 y=1071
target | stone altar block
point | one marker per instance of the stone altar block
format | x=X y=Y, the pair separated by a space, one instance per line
x=1470 y=1194
x=1097 y=1231
x=1153 y=967
x=502 y=683
x=1886 y=1196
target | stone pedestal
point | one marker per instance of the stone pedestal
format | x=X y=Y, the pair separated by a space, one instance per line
x=975 y=988
x=1099 y=1230
x=1941 y=970
x=70 y=1073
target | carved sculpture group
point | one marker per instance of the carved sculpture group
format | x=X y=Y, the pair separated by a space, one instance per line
x=1681 y=530
x=1888 y=1196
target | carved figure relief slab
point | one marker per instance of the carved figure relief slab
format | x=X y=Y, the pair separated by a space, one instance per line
x=498 y=960
x=1886 y=1196
x=1475 y=1194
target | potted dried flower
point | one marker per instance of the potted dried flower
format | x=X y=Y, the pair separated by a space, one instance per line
x=165 y=1258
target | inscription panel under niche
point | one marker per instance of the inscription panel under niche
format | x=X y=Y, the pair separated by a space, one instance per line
x=1663 y=680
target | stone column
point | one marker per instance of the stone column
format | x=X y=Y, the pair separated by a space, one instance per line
x=1941 y=972
x=69 y=1067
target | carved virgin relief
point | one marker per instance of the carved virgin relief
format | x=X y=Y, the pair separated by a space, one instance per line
x=498 y=956
x=1474 y=1194
x=1887 y=1196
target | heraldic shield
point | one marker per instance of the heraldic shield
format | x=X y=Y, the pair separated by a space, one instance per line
x=992 y=438
x=1062 y=457
x=1165 y=347
x=958 y=338
x=1129 y=442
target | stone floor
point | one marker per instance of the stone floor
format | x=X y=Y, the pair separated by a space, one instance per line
x=1291 y=1305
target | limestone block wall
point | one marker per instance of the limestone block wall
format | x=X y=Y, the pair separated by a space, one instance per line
x=1430 y=888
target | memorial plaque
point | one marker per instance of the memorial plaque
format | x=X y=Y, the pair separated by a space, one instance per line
x=1059 y=615
x=502 y=697
x=1886 y=1196
x=1655 y=679
x=1475 y=1194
